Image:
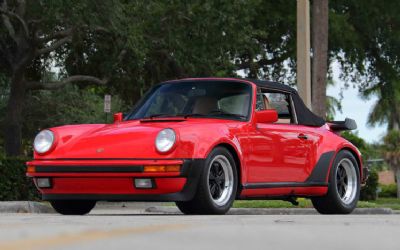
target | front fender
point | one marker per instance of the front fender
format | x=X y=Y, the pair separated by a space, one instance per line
x=203 y=141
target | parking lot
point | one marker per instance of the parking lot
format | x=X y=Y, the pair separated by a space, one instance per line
x=122 y=229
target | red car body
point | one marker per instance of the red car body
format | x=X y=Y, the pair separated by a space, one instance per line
x=100 y=161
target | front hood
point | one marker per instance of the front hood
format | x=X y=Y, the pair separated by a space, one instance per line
x=128 y=140
x=123 y=140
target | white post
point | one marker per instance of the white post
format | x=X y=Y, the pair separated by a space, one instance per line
x=303 y=51
x=107 y=105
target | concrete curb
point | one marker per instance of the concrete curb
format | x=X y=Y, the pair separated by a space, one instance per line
x=272 y=211
x=25 y=207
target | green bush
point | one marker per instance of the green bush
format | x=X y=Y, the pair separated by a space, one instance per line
x=14 y=185
x=388 y=191
x=369 y=191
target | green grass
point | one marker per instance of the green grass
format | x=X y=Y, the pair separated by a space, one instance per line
x=392 y=203
x=271 y=204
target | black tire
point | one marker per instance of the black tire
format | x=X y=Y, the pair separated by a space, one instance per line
x=187 y=207
x=203 y=202
x=73 y=207
x=332 y=203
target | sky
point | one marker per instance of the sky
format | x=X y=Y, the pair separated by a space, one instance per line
x=353 y=106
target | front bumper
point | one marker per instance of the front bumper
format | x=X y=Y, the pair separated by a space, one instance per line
x=113 y=180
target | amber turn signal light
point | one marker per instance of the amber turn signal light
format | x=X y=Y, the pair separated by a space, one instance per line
x=162 y=168
x=31 y=169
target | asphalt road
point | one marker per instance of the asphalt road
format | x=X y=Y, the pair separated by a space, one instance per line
x=113 y=229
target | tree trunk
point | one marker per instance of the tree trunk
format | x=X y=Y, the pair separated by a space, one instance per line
x=397 y=172
x=319 y=55
x=13 y=119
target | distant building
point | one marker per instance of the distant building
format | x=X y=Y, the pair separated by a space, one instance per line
x=386 y=177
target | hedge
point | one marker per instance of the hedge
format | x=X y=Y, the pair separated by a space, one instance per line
x=369 y=191
x=388 y=191
x=14 y=185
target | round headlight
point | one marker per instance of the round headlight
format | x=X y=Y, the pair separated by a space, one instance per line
x=43 y=141
x=165 y=140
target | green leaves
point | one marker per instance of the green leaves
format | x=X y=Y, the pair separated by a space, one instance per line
x=392 y=142
x=70 y=105
x=14 y=185
x=135 y=44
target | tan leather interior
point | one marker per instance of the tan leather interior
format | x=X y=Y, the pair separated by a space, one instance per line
x=269 y=106
x=204 y=105
x=266 y=103
x=283 y=120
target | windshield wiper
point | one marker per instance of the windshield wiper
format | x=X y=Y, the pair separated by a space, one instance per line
x=172 y=115
x=158 y=115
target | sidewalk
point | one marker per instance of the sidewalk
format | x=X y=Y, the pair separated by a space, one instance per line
x=25 y=207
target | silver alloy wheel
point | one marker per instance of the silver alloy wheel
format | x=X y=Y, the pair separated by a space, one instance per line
x=220 y=180
x=346 y=181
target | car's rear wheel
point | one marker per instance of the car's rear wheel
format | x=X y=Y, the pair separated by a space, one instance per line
x=73 y=207
x=344 y=186
x=217 y=185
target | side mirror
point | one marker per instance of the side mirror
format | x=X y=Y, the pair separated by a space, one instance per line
x=266 y=116
x=118 y=117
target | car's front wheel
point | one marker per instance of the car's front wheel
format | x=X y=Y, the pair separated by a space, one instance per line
x=344 y=186
x=73 y=207
x=217 y=185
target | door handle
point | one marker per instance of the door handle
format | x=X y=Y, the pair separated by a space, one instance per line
x=302 y=136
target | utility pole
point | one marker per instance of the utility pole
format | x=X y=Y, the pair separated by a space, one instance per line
x=303 y=51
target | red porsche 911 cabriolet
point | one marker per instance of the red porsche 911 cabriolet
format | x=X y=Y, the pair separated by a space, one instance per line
x=202 y=143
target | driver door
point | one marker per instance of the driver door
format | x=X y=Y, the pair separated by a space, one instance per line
x=281 y=151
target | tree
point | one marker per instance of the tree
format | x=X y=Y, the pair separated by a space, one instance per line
x=319 y=23
x=332 y=104
x=31 y=33
x=392 y=154
x=69 y=105
x=208 y=38
x=131 y=45
x=268 y=49
x=386 y=109
x=365 y=40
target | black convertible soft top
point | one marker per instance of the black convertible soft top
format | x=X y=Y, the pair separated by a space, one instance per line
x=304 y=115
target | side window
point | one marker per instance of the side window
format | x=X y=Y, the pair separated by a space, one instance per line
x=279 y=101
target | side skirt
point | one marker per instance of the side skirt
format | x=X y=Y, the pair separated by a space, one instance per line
x=266 y=191
x=284 y=185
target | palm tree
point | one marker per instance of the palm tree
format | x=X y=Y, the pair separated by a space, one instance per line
x=387 y=107
x=332 y=104
x=392 y=154
x=319 y=24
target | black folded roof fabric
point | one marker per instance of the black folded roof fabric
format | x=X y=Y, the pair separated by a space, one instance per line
x=304 y=115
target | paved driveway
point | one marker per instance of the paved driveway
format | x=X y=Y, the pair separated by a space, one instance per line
x=114 y=229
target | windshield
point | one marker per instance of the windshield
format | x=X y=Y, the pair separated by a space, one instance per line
x=214 y=99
